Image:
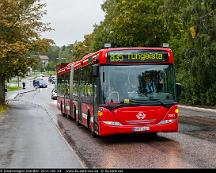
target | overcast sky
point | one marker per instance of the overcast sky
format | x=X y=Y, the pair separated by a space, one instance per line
x=72 y=19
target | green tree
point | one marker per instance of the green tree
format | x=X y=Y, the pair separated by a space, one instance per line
x=201 y=51
x=131 y=23
x=194 y=48
x=66 y=53
x=52 y=53
x=80 y=49
x=20 y=28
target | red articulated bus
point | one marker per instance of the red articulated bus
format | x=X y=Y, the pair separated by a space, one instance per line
x=121 y=91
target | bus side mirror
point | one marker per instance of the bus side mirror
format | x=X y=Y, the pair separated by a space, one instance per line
x=178 y=90
x=5 y=89
x=95 y=70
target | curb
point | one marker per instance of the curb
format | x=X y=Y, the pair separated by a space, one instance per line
x=19 y=93
x=24 y=92
x=198 y=109
x=84 y=162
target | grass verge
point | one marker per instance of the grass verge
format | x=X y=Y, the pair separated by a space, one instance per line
x=13 y=88
x=3 y=108
x=51 y=73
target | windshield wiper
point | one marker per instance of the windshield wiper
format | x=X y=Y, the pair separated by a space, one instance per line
x=153 y=102
x=167 y=103
x=139 y=100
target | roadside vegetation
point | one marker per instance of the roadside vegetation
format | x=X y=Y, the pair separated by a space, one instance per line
x=3 y=108
x=20 y=28
x=188 y=26
x=13 y=88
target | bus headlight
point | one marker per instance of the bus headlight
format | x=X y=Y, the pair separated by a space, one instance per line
x=166 y=121
x=112 y=123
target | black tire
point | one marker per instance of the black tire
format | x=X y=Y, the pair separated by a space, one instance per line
x=153 y=134
x=77 y=121
x=88 y=121
x=63 y=114
x=89 y=126
x=94 y=135
x=74 y=114
x=68 y=116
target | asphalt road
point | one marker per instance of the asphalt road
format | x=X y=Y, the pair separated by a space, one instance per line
x=166 y=150
x=198 y=123
x=30 y=139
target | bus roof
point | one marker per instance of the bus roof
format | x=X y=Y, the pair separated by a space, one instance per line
x=100 y=57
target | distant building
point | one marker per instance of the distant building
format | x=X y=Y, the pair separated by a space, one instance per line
x=29 y=72
x=44 y=59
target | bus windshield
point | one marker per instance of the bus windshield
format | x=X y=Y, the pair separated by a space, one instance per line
x=138 y=84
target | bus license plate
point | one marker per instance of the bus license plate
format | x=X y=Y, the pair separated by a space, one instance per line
x=140 y=129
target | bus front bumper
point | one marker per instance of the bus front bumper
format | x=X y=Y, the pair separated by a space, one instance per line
x=105 y=129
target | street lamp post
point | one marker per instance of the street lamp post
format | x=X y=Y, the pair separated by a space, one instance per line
x=59 y=59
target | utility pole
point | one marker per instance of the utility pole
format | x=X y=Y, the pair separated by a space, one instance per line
x=18 y=80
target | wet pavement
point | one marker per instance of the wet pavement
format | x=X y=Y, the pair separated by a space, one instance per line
x=198 y=123
x=30 y=139
x=190 y=148
x=166 y=150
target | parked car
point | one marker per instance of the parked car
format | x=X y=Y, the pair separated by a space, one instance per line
x=54 y=94
x=52 y=79
x=40 y=83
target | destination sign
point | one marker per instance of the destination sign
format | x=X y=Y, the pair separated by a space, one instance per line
x=138 y=56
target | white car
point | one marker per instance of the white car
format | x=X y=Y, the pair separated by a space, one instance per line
x=54 y=94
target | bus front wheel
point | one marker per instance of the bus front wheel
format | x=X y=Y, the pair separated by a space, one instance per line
x=92 y=131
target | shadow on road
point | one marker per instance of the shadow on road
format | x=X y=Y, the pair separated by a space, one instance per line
x=199 y=127
x=128 y=149
x=133 y=138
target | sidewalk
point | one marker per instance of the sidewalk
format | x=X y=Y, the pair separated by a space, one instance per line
x=198 y=109
x=13 y=94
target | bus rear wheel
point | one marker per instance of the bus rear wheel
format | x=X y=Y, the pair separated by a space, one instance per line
x=78 y=123
x=77 y=120
x=88 y=121
x=74 y=114
x=63 y=114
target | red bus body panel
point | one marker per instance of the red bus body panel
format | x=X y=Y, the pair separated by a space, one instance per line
x=105 y=130
x=128 y=117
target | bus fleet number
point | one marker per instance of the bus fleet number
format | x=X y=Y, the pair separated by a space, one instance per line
x=117 y=58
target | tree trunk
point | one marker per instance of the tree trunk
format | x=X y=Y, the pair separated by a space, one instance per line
x=2 y=90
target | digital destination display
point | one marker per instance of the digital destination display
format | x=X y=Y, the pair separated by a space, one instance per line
x=138 y=56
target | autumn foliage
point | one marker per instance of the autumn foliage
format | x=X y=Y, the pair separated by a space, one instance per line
x=20 y=28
